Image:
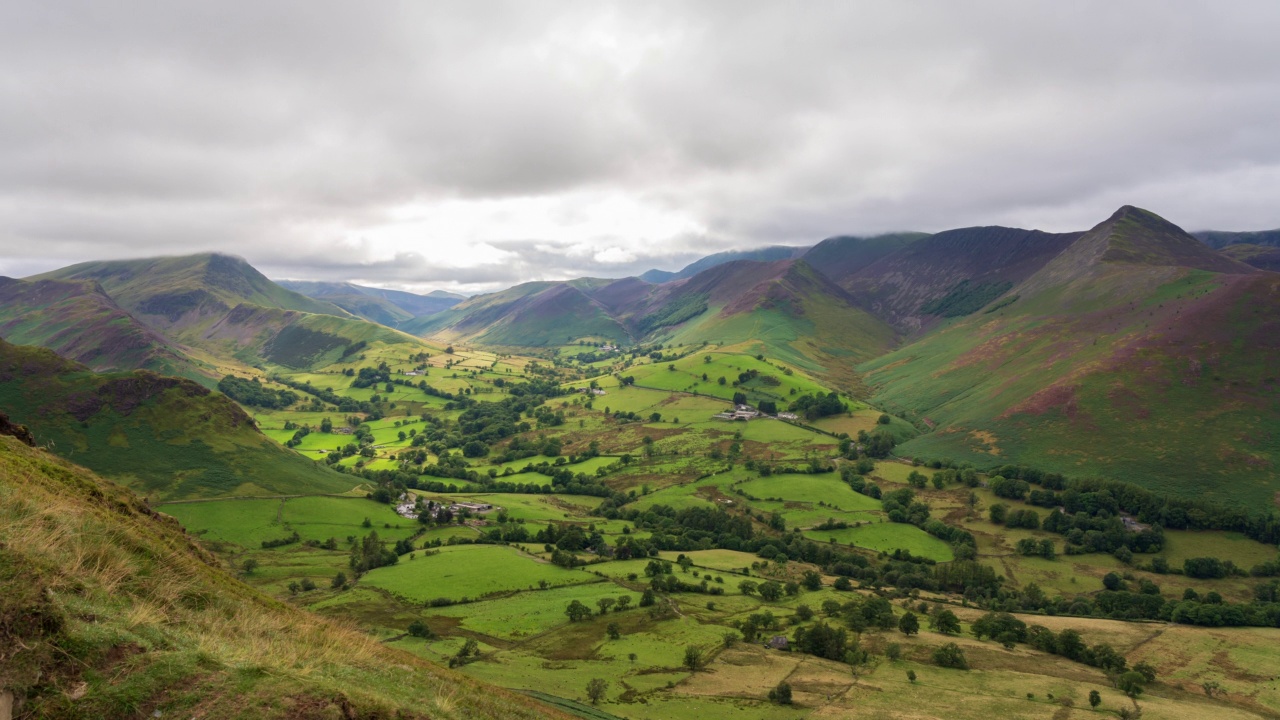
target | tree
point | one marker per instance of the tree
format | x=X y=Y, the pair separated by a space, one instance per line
x=770 y=591
x=419 y=629
x=605 y=603
x=614 y=632
x=693 y=659
x=1094 y=699
x=781 y=694
x=911 y=676
x=945 y=622
x=596 y=689
x=748 y=587
x=1112 y=581
x=577 y=611
x=1131 y=683
x=909 y=624
x=339 y=581
x=812 y=580
x=893 y=651
x=950 y=656
x=624 y=601
x=248 y=566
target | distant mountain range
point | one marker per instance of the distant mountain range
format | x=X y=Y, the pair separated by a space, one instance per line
x=1064 y=349
x=764 y=254
x=388 y=307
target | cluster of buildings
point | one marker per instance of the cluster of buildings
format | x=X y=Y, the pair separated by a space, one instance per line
x=739 y=412
x=408 y=507
x=746 y=412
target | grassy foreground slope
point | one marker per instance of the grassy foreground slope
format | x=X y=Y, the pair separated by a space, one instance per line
x=166 y=437
x=1138 y=353
x=111 y=611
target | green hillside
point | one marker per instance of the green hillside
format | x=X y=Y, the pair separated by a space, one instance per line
x=165 y=437
x=798 y=316
x=536 y=314
x=111 y=611
x=1138 y=354
x=222 y=305
x=79 y=321
x=171 y=286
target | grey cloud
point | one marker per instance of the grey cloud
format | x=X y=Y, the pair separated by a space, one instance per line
x=268 y=129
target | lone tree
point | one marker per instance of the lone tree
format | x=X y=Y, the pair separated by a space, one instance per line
x=909 y=624
x=911 y=676
x=945 y=622
x=614 y=631
x=950 y=656
x=693 y=659
x=1094 y=699
x=781 y=694
x=596 y=688
x=248 y=566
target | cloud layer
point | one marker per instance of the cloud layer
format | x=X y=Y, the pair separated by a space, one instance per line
x=472 y=145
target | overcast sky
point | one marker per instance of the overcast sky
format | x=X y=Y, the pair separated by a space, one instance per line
x=473 y=145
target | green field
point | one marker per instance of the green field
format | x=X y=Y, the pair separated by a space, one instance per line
x=470 y=572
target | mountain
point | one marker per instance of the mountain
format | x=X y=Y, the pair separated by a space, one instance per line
x=945 y=274
x=1263 y=257
x=78 y=320
x=534 y=314
x=1219 y=239
x=389 y=307
x=764 y=254
x=110 y=610
x=166 y=437
x=786 y=305
x=841 y=256
x=224 y=306
x=1136 y=353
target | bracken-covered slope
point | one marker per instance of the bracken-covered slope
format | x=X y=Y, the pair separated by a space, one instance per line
x=168 y=438
x=1137 y=353
x=109 y=610
x=78 y=320
x=224 y=306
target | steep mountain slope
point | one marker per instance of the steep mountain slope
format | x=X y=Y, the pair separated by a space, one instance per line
x=111 y=611
x=223 y=305
x=78 y=320
x=949 y=273
x=389 y=307
x=1136 y=353
x=166 y=437
x=765 y=254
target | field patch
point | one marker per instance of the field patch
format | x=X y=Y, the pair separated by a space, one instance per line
x=470 y=571
x=887 y=537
